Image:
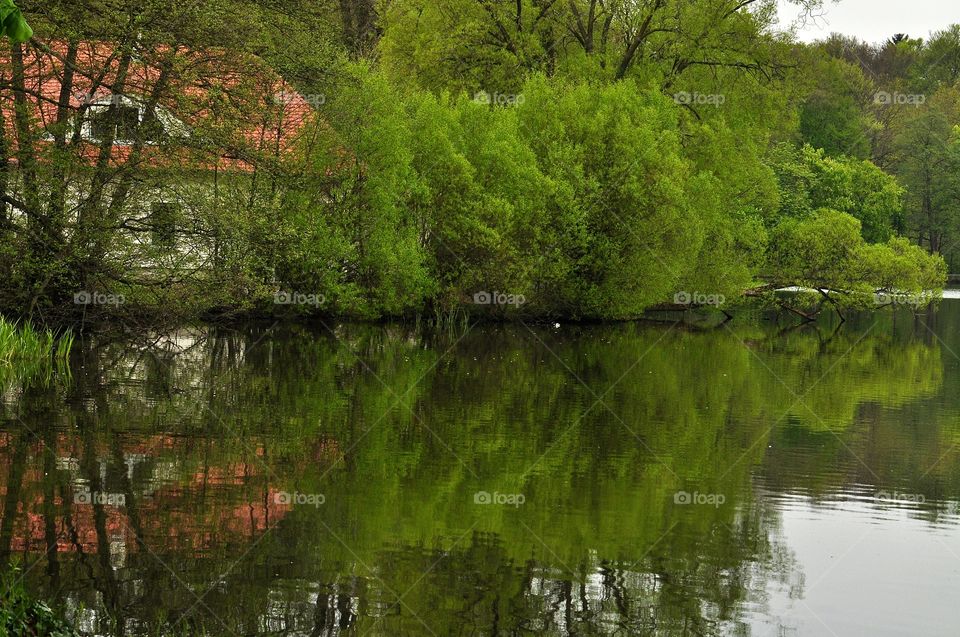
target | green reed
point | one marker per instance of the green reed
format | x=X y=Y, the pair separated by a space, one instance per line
x=28 y=353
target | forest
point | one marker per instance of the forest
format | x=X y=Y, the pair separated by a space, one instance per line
x=581 y=159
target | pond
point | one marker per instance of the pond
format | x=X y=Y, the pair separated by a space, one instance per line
x=630 y=479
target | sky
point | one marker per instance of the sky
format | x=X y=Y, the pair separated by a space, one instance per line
x=874 y=20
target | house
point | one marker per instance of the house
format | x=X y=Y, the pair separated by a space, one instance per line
x=142 y=146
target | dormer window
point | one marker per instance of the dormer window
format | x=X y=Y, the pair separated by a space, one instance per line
x=128 y=122
x=121 y=125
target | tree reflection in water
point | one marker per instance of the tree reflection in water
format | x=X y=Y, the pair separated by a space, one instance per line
x=206 y=433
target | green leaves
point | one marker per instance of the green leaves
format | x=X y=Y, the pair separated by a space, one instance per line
x=350 y=232
x=827 y=251
x=628 y=222
x=12 y=23
x=817 y=252
x=810 y=180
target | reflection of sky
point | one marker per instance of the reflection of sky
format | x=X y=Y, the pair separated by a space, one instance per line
x=874 y=20
x=867 y=569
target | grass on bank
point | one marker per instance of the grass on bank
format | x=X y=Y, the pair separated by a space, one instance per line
x=28 y=353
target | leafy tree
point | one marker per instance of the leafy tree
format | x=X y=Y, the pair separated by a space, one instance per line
x=461 y=44
x=938 y=64
x=834 y=116
x=626 y=192
x=351 y=235
x=825 y=252
x=810 y=180
x=927 y=165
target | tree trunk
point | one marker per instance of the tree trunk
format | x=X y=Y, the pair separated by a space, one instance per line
x=89 y=232
x=58 y=180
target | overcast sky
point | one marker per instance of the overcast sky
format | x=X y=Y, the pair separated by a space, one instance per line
x=875 y=20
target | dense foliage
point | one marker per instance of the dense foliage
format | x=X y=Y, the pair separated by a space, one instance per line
x=584 y=159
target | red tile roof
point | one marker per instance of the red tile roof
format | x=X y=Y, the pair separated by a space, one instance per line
x=233 y=101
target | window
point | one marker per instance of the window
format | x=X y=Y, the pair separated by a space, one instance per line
x=122 y=124
x=163 y=224
x=125 y=124
x=128 y=121
x=152 y=128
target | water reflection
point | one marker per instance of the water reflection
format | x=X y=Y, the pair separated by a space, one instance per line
x=363 y=480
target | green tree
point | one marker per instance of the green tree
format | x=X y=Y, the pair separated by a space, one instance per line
x=351 y=236
x=927 y=166
x=826 y=252
x=810 y=180
x=834 y=116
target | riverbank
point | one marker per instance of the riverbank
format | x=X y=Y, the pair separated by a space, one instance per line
x=804 y=302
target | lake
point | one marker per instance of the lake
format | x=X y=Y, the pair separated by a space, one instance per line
x=630 y=479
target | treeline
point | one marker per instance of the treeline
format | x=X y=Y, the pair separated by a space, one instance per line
x=897 y=104
x=584 y=159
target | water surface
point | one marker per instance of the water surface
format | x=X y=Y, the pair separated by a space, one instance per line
x=639 y=479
